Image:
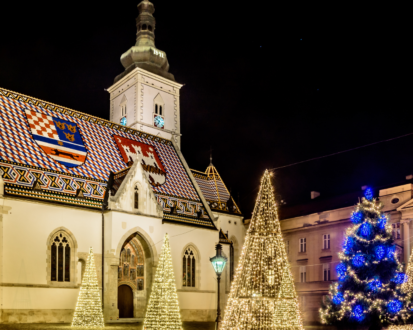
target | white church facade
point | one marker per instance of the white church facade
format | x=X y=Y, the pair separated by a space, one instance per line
x=70 y=181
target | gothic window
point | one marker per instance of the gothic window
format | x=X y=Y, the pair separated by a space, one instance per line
x=131 y=270
x=188 y=268
x=123 y=111
x=136 y=198
x=231 y=262
x=60 y=258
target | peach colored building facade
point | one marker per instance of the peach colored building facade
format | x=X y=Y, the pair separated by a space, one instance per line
x=314 y=235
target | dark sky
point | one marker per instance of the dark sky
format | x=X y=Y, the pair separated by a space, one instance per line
x=266 y=84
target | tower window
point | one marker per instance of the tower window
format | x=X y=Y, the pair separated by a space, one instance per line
x=150 y=27
x=156 y=108
x=160 y=110
x=144 y=27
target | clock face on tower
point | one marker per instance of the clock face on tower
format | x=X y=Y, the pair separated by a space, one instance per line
x=158 y=121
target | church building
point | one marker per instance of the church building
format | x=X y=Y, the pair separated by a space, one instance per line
x=70 y=181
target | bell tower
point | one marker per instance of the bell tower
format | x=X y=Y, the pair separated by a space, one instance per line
x=145 y=96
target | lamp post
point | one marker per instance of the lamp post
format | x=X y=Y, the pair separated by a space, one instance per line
x=218 y=262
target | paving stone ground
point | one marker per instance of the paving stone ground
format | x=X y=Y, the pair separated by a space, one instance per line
x=122 y=326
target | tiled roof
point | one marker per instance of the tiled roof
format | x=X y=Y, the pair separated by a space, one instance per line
x=215 y=191
x=31 y=150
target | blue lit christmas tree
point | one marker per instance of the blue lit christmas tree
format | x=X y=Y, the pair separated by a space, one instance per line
x=368 y=291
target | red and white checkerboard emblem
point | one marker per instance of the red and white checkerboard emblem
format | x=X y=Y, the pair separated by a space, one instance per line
x=41 y=124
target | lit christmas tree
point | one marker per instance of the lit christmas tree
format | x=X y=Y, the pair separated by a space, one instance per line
x=263 y=294
x=163 y=307
x=370 y=277
x=407 y=286
x=88 y=313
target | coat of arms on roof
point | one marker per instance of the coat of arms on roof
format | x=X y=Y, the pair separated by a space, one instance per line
x=132 y=150
x=59 y=139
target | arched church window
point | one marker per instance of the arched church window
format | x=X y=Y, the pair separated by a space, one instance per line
x=131 y=271
x=231 y=262
x=160 y=110
x=144 y=27
x=156 y=109
x=60 y=265
x=136 y=198
x=188 y=268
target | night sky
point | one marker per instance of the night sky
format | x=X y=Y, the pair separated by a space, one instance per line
x=266 y=85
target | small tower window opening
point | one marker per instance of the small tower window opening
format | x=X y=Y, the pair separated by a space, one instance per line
x=150 y=27
x=189 y=267
x=136 y=198
x=156 y=109
x=144 y=27
x=160 y=110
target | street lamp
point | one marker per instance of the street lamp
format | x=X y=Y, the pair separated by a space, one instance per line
x=218 y=262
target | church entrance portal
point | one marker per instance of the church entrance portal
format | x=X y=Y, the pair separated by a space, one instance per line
x=125 y=301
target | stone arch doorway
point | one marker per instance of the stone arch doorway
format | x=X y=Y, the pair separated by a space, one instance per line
x=134 y=276
x=125 y=301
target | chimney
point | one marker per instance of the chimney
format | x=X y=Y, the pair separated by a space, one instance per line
x=314 y=194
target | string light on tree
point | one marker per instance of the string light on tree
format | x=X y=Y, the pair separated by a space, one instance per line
x=88 y=312
x=407 y=286
x=262 y=294
x=163 y=308
x=370 y=279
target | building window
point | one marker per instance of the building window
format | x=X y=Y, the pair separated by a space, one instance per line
x=231 y=262
x=188 y=268
x=326 y=272
x=396 y=230
x=326 y=242
x=60 y=258
x=302 y=245
x=136 y=198
x=303 y=274
x=131 y=268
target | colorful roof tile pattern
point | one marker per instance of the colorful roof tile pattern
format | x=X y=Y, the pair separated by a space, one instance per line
x=26 y=122
x=215 y=191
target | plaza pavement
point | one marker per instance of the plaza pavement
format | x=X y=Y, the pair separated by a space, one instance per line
x=123 y=326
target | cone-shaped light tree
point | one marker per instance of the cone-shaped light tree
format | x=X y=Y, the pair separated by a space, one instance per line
x=262 y=294
x=88 y=312
x=369 y=288
x=163 y=308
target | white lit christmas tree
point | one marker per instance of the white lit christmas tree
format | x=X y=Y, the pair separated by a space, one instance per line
x=163 y=307
x=88 y=313
x=263 y=294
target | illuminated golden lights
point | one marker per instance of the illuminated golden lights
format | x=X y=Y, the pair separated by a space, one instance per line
x=163 y=307
x=88 y=312
x=262 y=294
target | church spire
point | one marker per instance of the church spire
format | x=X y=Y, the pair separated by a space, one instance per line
x=144 y=54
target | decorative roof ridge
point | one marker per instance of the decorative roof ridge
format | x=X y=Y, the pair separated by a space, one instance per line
x=53 y=171
x=197 y=171
x=4 y=91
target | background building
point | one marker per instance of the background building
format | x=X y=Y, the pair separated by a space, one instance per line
x=314 y=234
